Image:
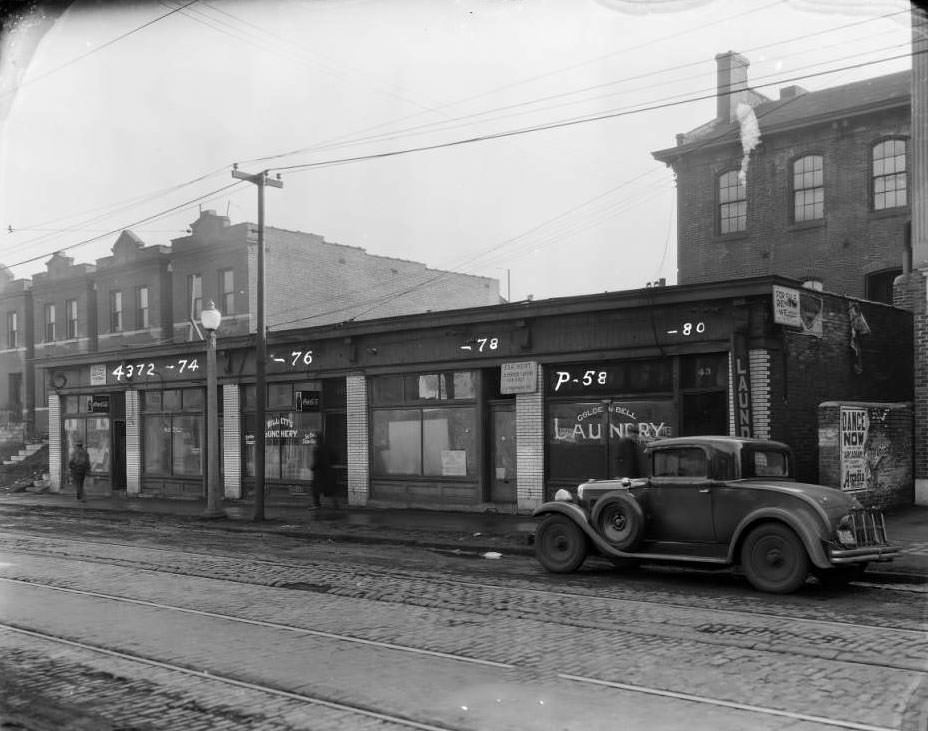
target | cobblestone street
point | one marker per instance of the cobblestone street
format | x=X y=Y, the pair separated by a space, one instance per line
x=188 y=628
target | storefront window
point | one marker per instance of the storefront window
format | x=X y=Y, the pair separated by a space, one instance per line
x=94 y=432
x=173 y=440
x=425 y=441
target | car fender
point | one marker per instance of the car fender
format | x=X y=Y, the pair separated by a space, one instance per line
x=803 y=524
x=580 y=517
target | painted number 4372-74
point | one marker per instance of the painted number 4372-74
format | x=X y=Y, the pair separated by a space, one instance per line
x=143 y=369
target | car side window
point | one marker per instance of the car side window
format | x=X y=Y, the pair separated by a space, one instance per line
x=683 y=462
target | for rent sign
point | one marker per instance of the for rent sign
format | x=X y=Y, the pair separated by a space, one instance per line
x=855 y=425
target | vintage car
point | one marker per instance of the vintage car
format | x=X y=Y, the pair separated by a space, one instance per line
x=716 y=501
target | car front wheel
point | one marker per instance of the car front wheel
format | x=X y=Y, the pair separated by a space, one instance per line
x=560 y=545
x=774 y=560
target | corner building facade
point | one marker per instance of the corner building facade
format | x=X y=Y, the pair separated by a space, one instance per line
x=490 y=407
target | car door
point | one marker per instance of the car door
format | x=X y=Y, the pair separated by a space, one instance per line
x=679 y=498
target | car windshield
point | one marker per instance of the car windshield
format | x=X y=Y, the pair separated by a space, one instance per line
x=766 y=463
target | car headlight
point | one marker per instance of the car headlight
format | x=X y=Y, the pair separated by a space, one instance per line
x=563 y=496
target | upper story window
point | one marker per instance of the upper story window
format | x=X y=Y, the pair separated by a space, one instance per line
x=227 y=292
x=71 y=313
x=50 y=334
x=879 y=285
x=12 y=329
x=733 y=205
x=808 y=189
x=115 y=311
x=889 y=175
x=141 y=308
x=195 y=296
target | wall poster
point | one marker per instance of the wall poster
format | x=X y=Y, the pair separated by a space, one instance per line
x=855 y=426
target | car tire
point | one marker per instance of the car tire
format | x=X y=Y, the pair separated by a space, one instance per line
x=840 y=576
x=619 y=519
x=774 y=560
x=560 y=545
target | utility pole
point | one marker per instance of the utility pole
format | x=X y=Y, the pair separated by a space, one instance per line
x=261 y=180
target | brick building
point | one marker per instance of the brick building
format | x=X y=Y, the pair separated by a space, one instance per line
x=17 y=348
x=823 y=196
x=492 y=407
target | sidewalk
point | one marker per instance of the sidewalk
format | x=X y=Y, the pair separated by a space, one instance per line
x=456 y=531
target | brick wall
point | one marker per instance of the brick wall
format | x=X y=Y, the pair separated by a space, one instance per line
x=911 y=293
x=530 y=447
x=885 y=455
x=133 y=443
x=232 y=441
x=849 y=243
x=54 y=442
x=358 y=444
x=813 y=370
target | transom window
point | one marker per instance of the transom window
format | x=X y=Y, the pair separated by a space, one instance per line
x=889 y=175
x=808 y=188
x=733 y=205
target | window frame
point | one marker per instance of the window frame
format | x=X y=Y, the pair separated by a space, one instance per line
x=116 y=311
x=722 y=204
x=70 y=319
x=794 y=190
x=194 y=296
x=142 y=308
x=12 y=329
x=226 y=297
x=883 y=176
x=51 y=317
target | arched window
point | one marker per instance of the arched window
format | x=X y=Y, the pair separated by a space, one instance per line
x=733 y=205
x=808 y=189
x=889 y=175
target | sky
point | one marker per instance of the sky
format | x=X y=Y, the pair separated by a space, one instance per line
x=538 y=117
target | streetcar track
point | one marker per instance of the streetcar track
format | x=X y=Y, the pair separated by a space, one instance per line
x=228 y=680
x=265 y=624
x=393 y=574
x=583 y=680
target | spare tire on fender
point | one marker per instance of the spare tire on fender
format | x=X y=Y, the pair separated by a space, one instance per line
x=619 y=519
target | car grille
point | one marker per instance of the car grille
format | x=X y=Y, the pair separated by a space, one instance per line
x=868 y=527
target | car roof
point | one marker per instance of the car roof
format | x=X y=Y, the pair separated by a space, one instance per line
x=727 y=443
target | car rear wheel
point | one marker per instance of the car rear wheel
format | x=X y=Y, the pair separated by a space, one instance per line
x=560 y=545
x=619 y=519
x=774 y=559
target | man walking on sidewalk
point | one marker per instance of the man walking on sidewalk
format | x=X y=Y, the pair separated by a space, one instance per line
x=78 y=466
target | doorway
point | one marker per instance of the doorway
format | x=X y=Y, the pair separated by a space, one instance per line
x=503 y=453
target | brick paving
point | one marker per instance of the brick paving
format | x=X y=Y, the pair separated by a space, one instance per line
x=808 y=667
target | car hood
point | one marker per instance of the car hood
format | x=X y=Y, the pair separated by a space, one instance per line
x=831 y=500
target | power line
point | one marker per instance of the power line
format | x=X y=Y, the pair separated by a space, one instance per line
x=46 y=74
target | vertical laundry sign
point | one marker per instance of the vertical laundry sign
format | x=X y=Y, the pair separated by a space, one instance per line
x=855 y=425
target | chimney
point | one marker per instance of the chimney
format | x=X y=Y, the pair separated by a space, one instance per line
x=791 y=92
x=732 y=84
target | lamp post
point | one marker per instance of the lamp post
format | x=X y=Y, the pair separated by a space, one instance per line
x=210 y=319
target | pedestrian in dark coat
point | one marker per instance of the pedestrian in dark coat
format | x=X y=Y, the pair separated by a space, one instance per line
x=79 y=465
x=321 y=466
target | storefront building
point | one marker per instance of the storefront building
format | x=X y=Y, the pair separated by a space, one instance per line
x=484 y=408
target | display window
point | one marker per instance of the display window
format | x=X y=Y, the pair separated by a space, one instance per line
x=83 y=423
x=413 y=437
x=293 y=411
x=173 y=431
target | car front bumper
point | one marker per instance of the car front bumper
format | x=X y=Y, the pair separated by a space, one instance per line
x=846 y=556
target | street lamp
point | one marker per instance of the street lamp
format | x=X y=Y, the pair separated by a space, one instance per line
x=210 y=319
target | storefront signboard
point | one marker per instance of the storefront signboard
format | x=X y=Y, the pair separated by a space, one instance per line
x=786 y=306
x=98 y=374
x=518 y=377
x=98 y=404
x=454 y=463
x=855 y=426
x=308 y=400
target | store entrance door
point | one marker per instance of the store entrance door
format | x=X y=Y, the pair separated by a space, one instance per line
x=503 y=453
x=119 y=455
